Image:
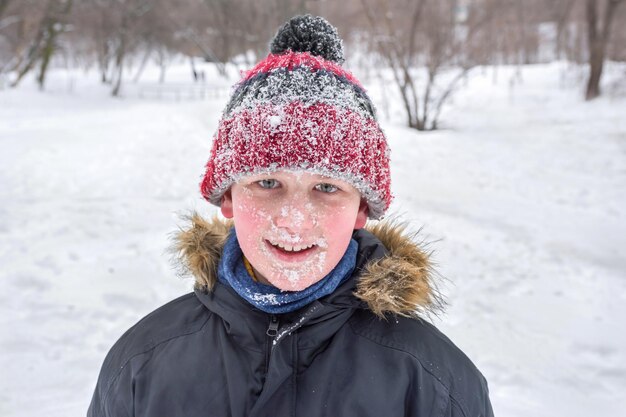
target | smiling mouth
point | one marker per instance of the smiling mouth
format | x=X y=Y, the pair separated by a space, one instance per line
x=288 y=253
x=286 y=248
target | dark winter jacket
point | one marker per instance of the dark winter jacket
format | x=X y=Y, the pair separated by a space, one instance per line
x=360 y=351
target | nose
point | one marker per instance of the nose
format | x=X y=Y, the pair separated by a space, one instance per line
x=296 y=216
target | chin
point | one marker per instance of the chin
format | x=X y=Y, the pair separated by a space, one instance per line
x=287 y=283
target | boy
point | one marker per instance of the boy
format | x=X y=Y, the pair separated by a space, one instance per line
x=297 y=309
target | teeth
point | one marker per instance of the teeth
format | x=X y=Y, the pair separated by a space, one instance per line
x=290 y=248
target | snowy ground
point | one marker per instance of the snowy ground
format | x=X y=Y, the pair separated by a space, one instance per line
x=524 y=193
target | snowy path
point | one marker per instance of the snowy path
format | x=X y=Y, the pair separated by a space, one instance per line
x=524 y=194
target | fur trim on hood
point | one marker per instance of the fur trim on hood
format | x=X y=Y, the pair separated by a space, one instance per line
x=400 y=283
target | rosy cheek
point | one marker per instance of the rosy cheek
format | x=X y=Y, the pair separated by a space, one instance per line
x=250 y=217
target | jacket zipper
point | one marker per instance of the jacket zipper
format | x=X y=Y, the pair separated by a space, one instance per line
x=271 y=332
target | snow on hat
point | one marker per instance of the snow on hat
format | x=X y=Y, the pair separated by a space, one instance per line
x=298 y=109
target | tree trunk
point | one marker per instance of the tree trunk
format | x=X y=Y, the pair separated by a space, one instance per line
x=47 y=51
x=163 y=68
x=46 y=55
x=119 y=65
x=596 y=64
x=3 y=6
x=44 y=45
x=598 y=34
x=103 y=61
x=563 y=12
x=31 y=60
x=24 y=65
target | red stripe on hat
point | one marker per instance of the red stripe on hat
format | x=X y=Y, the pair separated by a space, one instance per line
x=291 y=60
x=267 y=137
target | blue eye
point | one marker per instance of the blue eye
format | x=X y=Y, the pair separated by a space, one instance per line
x=268 y=183
x=326 y=188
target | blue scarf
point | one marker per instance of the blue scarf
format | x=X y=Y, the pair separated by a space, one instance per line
x=267 y=298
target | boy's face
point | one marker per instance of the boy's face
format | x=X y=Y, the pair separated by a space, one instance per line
x=293 y=227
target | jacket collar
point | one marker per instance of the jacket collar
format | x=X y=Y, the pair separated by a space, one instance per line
x=394 y=275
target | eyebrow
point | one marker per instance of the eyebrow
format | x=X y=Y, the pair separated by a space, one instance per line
x=331 y=179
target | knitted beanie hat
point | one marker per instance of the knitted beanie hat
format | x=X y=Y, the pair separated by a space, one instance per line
x=298 y=109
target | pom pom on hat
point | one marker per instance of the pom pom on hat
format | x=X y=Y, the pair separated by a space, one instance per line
x=309 y=34
x=299 y=109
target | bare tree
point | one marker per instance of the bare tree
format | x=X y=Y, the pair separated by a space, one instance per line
x=95 y=23
x=130 y=14
x=561 y=15
x=8 y=36
x=41 y=38
x=55 y=24
x=427 y=34
x=3 y=6
x=191 y=26
x=598 y=34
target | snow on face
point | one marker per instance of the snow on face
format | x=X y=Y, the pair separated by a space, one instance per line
x=278 y=215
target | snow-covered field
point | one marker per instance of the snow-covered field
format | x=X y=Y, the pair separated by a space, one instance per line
x=523 y=195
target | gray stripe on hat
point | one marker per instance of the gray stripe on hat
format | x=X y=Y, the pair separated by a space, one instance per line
x=302 y=84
